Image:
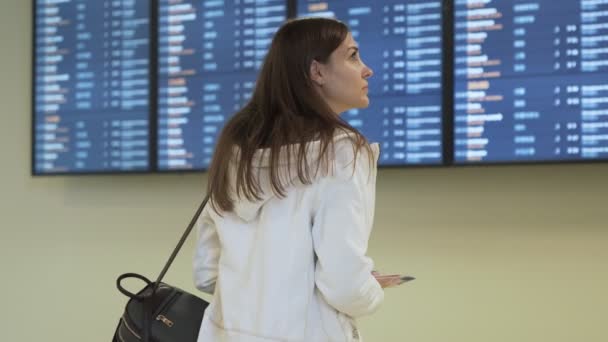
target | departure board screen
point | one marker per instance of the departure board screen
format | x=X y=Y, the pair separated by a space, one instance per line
x=91 y=106
x=210 y=52
x=401 y=41
x=531 y=80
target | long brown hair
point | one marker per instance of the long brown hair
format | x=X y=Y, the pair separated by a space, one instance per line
x=284 y=109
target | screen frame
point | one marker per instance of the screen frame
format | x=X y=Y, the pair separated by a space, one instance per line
x=151 y=94
x=452 y=85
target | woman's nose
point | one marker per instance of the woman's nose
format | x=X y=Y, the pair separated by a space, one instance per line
x=367 y=72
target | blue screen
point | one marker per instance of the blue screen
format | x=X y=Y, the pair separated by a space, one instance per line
x=531 y=80
x=401 y=41
x=91 y=107
x=210 y=52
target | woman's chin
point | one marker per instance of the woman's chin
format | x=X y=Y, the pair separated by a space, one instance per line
x=364 y=102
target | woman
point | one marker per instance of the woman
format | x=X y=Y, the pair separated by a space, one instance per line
x=282 y=247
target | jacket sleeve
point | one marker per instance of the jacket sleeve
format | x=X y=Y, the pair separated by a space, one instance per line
x=342 y=225
x=206 y=254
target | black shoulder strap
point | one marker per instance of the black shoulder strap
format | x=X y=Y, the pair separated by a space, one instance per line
x=167 y=265
x=180 y=243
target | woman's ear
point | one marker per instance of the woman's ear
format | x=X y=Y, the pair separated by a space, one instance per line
x=316 y=73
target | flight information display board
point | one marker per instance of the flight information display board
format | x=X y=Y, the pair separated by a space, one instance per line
x=91 y=86
x=531 y=80
x=210 y=52
x=401 y=41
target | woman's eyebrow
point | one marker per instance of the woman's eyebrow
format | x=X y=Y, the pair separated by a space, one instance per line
x=353 y=48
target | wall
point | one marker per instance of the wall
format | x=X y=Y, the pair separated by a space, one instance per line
x=500 y=253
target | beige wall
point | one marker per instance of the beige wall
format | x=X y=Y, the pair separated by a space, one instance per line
x=500 y=253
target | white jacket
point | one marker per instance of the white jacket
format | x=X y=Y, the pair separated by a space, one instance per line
x=293 y=268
